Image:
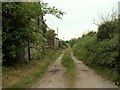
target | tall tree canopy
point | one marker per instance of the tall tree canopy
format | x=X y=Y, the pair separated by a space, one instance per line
x=23 y=23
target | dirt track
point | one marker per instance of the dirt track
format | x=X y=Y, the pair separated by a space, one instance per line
x=54 y=77
x=86 y=77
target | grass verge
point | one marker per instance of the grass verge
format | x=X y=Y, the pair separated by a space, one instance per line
x=70 y=66
x=26 y=76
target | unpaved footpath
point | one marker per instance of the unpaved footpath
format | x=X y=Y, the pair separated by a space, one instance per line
x=87 y=78
x=54 y=77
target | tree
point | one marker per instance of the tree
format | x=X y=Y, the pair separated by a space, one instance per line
x=50 y=36
x=107 y=27
x=73 y=41
x=51 y=10
x=23 y=25
x=19 y=28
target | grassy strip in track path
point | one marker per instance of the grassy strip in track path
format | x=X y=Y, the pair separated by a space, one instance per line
x=70 y=66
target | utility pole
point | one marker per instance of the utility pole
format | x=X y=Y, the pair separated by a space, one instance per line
x=119 y=11
x=57 y=32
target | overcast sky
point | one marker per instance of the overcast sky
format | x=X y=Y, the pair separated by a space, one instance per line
x=79 y=16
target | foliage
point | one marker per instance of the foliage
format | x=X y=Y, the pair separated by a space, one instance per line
x=102 y=56
x=23 y=24
x=51 y=10
x=19 y=28
x=72 y=41
x=63 y=44
x=106 y=30
x=68 y=62
x=50 y=36
x=70 y=66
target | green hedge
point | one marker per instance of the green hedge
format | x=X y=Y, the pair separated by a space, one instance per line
x=100 y=55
